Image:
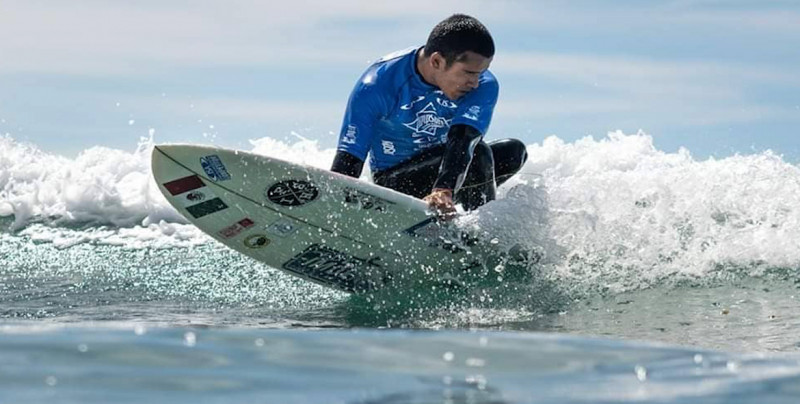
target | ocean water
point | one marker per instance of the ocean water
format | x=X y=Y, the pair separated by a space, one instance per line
x=664 y=278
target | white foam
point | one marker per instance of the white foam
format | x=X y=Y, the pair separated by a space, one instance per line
x=619 y=214
x=613 y=213
x=112 y=192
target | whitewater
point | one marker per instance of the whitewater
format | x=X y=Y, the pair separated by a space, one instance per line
x=664 y=278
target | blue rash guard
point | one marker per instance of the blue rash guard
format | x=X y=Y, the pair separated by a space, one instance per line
x=392 y=114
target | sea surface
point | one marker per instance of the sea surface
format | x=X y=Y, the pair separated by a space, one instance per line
x=664 y=279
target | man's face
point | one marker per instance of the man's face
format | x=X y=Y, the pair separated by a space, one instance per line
x=462 y=76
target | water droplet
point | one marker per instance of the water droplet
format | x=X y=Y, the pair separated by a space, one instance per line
x=51 y=381
x=475 y=362
x=733 y=366
x=484 y=341
x=259 y=342
x=139 y=329
x=83 y=348
x=698 y=359
x=478 y=380
x=448 y=356
x=189 y=339
x=641 y=373
x=131 y=122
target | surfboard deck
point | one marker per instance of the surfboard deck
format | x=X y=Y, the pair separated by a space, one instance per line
x=324 y=227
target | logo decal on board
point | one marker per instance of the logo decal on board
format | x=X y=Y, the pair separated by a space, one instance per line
x=282 y=227
x=236 y=228
x=292 y=193
x=256 y=241
x=214 y=168
x=195 y=196
x=192 y=193
x=331 y=266
x=365 y=200
x=439 y=236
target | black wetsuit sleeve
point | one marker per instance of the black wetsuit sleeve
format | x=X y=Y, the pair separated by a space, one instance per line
x=347 y=164
x=461 y=141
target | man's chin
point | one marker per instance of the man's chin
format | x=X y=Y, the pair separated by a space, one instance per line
x=455 y=96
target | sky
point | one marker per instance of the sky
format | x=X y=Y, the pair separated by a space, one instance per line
x=716 y=77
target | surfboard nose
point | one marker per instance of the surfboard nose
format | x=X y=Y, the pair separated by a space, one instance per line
x=178 y=151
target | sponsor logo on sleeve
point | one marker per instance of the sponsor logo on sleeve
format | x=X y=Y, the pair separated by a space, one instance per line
x=282 y=228
x=350 y=136
x=256 y=241
x=236 y=228
x=473 y=113
x=292 y=193
x=331 y=266
x=388 y=147
x=191 y=192
x=214 y=168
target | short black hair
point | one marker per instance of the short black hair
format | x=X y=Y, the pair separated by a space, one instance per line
x=457 y=34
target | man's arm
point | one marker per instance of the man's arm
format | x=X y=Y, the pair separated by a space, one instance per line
x=470 y=123
x=364 y=107
x=461 y=141
x=347 y=164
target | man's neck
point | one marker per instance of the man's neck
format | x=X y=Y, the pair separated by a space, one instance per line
x=424 y=69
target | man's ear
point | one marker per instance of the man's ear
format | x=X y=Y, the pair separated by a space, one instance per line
x=437 y=60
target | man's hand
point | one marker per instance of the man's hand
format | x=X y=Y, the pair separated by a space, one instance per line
x=440 y=200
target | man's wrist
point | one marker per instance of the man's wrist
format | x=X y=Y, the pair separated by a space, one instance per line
x=447 y=191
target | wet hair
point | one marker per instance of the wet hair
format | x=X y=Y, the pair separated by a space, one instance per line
x=457 y=34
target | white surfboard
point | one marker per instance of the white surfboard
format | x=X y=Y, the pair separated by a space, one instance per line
x=322 y=226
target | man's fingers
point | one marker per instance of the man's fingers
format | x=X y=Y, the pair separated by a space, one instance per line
x=441 y=202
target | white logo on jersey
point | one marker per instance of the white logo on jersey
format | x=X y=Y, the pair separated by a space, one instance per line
x=446 y=103
x=473 y=113
x=350 y=136
x=388 y=147
x=411 y=104
x=427 y=122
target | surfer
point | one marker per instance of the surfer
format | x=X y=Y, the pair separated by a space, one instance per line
x=421 y=115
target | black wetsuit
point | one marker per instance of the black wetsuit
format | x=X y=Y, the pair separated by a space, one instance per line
x=469 y=166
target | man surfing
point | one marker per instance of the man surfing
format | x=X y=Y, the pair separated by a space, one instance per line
x=421 y=115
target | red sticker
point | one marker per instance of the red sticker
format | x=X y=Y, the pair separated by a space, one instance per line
x=236 y=228
x=184 y=184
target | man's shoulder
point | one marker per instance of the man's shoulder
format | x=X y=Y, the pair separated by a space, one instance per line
x=487 y=77
x=387 y=72
x=399 y=54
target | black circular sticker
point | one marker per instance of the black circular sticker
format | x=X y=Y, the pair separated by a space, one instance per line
x=292 y=193
x=256 y=241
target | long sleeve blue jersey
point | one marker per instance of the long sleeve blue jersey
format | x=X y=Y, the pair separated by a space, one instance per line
x=392 y=114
